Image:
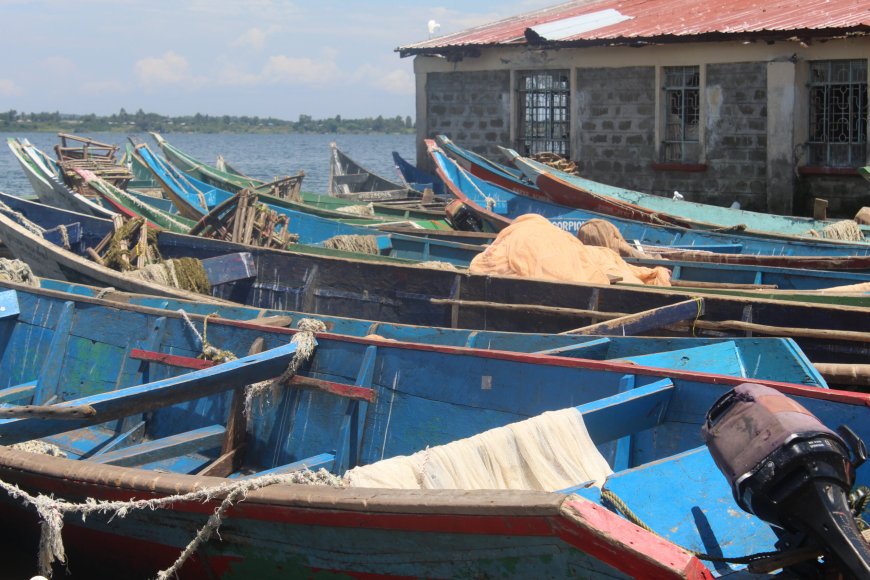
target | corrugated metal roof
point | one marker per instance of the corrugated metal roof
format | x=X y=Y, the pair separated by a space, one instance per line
x=651 y=20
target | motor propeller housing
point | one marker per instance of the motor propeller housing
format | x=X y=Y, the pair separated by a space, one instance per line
x=790 y=470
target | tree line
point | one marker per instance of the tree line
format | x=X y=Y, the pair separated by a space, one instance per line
x=123 y=121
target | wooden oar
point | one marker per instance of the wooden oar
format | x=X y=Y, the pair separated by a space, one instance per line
x=47 y=412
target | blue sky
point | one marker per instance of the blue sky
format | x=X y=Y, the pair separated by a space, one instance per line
x=277 y=58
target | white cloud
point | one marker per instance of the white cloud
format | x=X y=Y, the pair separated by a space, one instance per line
x=282 y=69
x=8 y=88
x=391 y=80
x=254 y=38
x=169 y=69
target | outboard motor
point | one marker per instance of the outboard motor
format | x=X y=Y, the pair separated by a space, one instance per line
x=791 y=471
x=461 y=218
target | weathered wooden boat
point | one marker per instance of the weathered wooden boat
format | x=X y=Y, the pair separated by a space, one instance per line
x=406 y=293
x=288 y=186
x=195 y=198
x=497 y=205
x=350 y=180
x=563 y=187
x=356 y=402
x=402 y=209
x=44 y=178
x=131 y=206
x=777 y=359
x=76 y=152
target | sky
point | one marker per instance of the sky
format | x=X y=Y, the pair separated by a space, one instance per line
x=278 y=58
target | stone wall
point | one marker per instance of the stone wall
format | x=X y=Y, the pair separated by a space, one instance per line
x=614 y=132
x=615 y=137
x=736 y=135
x=472 y=108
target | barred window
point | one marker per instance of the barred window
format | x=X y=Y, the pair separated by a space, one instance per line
x=544 y=112
x=682 y=114
x=838 y=113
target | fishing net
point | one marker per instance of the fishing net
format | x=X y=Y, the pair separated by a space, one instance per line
x=847 y=230
x=367 y=210
x=353 y=243
x=556 y=161
x=604 y=234
x=184 y=273
x=863 y=216
x=437 y=265
x=17 y=271
x=549 y=452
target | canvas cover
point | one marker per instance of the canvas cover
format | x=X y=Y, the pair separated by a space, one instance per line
x=532 y=247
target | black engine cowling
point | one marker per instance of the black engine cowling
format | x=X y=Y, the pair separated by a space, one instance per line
x=790 y=470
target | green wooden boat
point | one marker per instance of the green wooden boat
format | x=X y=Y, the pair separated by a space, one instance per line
x=320 y=205
x=699 y=215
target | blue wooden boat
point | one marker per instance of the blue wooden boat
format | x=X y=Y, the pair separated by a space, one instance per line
x=497 y=205
x=575 y=191
x=407 y=293
x=356 y=402
x=417 y=178
x=751 y=358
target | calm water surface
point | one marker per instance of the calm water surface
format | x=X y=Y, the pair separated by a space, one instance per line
x=262 y=156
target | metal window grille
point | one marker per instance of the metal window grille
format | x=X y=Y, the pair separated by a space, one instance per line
x=838 y=113
x=682 y=104
x=544 y=113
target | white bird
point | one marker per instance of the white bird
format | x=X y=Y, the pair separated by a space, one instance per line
x=433 y=27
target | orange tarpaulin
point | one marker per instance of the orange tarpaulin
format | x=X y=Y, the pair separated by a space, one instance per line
x=532 y=247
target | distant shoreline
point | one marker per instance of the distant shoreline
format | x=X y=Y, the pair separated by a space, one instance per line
x=140 y=121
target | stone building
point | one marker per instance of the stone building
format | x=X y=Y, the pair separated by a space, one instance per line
x=764 y=103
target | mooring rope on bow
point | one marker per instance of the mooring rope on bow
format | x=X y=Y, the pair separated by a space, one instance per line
x=305 y=344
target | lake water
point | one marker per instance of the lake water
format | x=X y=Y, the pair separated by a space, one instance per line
x=262 y=156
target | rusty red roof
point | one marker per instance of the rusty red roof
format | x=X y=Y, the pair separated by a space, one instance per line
x=585 y=22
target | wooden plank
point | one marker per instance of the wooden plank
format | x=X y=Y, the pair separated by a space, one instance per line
x=131 y=435
x=578 y=350
x=619 y=415
x=49 y=375
x=229 y=268
x=324 y=461
x=159 y=394
x=226 y=464
x=237 y=426
x=622 y=455
x=48 y=411
x=785 y=331
x=339 y=389
x=277 y=321
x=594 y=314
x=856 y=375
x=18 y=392
x=639 y=322
x=185 y=362
x=164 y=448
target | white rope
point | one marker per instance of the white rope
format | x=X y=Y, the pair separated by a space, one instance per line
x=191 y=326
x=51 y=512
x=17 y=271
x=305 y=344
x=23 y=221
x=64 y=236
x=102 y=293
